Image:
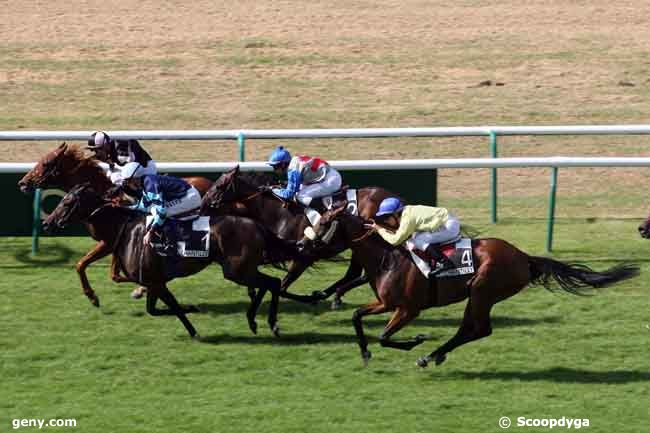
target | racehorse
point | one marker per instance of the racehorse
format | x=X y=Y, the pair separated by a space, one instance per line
x=644 y=228
x=66 y=167
x=502 y=270
x=239 y=244
x=249 y=196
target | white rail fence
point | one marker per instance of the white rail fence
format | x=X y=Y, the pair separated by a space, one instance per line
x=241 y=135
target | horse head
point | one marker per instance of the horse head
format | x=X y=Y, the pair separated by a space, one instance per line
x=77 y=205
x=221 y=191
x=46 y=171
x=335 y=220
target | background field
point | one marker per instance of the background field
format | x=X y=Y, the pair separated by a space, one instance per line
x=299 y=64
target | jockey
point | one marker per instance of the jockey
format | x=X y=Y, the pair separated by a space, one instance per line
x=118 y=153
x=162 y=197
x=308 y=178
x=425 y=225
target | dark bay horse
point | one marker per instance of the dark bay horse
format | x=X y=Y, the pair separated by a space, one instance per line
x=238 y=244
x=66 y=167
x=239 y=194
x=502 y=271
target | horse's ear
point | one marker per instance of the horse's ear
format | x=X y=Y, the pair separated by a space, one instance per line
x=235 y=170
x=63 y=146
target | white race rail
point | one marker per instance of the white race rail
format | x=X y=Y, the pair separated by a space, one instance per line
x=391 y=164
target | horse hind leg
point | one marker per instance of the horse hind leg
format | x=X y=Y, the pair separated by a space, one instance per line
x=475 y=325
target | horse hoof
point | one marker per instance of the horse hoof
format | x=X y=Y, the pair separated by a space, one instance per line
x=440 y=359
x=95 y=301
x=275 y=329
x=336 y=303
x=253 y=327
x=138 y=292
x=318 y=295
x=365 y=356
x=422 y=362
x=421 y=337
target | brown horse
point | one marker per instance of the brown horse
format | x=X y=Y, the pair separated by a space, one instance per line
x=238 y=244
x=66 y=167
x=239 y=194
x=644 y=228
x=502 y=270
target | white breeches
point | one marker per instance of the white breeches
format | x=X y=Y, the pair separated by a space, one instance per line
x=327 y=186
x=191 y=200
x=446 y=232
x=116 y=174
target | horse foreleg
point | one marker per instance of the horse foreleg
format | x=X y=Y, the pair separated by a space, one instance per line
x=152 y=310
x=376 y=307
x=256 y=300
x=399 y=319
x=353 y=278
x=102 y=249
x=115 y=271
x=168 y=298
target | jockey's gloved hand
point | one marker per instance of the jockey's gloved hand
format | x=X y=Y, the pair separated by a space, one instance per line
x=265 y=188
x=113 y=192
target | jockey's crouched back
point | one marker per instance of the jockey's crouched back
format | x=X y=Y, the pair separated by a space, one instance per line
x=420 y=227
x=161 y=196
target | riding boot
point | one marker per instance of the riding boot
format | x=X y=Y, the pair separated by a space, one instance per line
x=442 y=262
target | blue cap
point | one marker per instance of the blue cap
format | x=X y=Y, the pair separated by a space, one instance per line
x=280 y=154
x=389 y=205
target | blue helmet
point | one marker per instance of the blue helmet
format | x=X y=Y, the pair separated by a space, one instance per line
x=280 y=154
x=389 y=205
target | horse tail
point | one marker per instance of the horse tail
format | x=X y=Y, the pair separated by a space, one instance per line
x=573 y=277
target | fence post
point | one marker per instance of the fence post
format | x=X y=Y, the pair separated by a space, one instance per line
x=36 y=221
x=493 y=151
x=551 y=211
x=242 y=149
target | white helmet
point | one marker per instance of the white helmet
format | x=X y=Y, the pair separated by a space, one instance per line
x=132 y=169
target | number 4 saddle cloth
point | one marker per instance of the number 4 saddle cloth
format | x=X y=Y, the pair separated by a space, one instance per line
x=458 y=251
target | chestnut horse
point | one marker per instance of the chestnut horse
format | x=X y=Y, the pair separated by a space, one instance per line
x=240 y=194
x=502 y=271
x=66 y=167
x=238 y=244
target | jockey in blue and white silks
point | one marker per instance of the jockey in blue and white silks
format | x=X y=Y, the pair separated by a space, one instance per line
x=307 y=178
x=162 y=196
x=118 y=153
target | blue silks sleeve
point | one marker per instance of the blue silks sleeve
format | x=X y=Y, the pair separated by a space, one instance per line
x=293 y=184
x=152 y=200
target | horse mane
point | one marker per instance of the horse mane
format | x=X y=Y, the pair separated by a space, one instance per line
x=76 y=155
x=256 y=180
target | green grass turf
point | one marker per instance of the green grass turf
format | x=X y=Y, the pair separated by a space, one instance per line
x=116 y=369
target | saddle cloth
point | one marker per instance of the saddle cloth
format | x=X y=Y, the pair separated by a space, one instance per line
x=459 y=252
x=192 y=236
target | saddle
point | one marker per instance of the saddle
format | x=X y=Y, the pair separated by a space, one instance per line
x=321 y=204
x=458 y=250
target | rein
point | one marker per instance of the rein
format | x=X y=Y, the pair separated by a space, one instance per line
x=363 y=236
